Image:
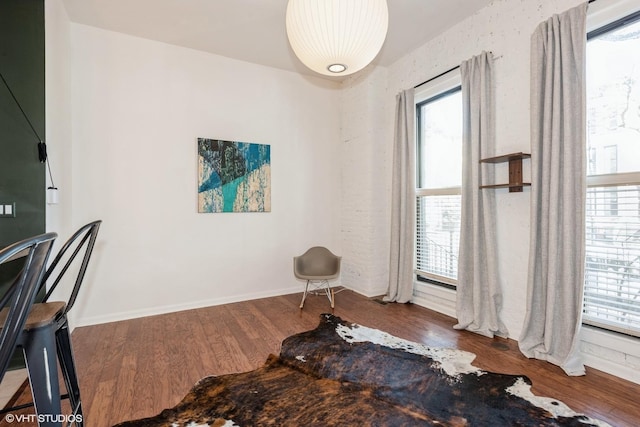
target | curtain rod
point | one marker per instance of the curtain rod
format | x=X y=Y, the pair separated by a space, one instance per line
x=439 y=75
x=450 y=70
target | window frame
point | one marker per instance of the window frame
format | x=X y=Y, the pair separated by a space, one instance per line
x=438 y=88
x=602 y=26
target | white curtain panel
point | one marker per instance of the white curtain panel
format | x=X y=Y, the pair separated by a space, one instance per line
x=479 y=295
x=403 y=201
x=558 y=191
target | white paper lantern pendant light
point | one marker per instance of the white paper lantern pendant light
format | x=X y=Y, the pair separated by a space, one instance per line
x=337 y=37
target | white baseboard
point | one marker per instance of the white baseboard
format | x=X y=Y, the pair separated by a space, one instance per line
x=434 y=298
x=152 y=311
x=367 y=293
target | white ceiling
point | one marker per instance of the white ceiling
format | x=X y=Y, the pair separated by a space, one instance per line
x=254 y=30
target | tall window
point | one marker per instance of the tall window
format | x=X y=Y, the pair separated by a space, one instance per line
x=612 y=276
x=439 y=177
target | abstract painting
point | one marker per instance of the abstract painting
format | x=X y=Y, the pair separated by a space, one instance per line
x=233 y=176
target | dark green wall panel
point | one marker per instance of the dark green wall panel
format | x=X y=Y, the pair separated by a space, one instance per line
x=22 y=176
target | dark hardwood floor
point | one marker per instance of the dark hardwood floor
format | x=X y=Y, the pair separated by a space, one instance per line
x=136 y=368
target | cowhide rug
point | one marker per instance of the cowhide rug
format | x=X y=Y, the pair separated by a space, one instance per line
x=344 y=374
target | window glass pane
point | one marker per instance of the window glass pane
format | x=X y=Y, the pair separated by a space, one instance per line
x=438 y=235
x=613 y=101
x=440 y=136
x=612 y=276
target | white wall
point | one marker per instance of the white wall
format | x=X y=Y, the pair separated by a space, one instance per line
x=138 y=108
x=504 y=27
x=58 y=122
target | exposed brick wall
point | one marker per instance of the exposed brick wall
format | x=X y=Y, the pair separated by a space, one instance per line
x=365 y=151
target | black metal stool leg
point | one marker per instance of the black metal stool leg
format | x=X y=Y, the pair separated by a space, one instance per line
x=68 y=367
x=40 y=355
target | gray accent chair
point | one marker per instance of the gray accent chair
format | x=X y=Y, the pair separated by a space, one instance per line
x=317 y=266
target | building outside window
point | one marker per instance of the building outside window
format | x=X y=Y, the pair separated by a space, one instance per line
x=439 y=178
x=612 y=275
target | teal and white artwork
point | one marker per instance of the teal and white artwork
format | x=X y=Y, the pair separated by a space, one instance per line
x=233 y=176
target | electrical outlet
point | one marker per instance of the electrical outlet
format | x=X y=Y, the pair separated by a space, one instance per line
x=7 y=210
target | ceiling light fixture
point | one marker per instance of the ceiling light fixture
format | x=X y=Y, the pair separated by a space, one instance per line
x=337 y=37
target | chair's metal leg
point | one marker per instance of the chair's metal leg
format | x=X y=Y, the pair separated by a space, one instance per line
x=328 y=292
x=304 y=296
x=67 y=365
x=40 y=355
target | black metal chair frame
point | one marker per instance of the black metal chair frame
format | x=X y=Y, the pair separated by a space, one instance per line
x=22 y=293
x=40 y=341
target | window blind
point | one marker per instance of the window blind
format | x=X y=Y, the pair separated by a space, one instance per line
x=612 y=274
x=438 y=236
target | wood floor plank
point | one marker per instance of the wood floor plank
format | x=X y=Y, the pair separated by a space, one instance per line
x=138 y=367
x=164 y=328
x=101 y=406
x=146 y=382
x=124 y=385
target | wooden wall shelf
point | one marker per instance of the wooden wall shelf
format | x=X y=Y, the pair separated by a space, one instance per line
x=515 y=184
